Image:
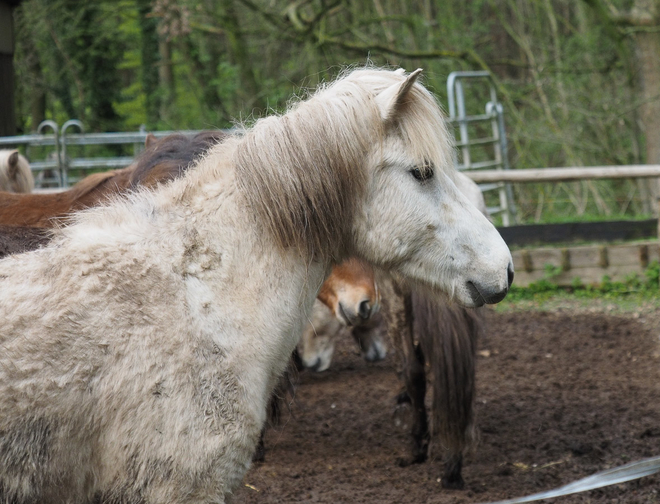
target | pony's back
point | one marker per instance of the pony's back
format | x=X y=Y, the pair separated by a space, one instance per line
x=15 y=173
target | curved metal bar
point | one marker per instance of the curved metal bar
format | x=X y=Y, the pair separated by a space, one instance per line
x=48 y=124
x=73 y=122
x=56 y=130
x=65 y=160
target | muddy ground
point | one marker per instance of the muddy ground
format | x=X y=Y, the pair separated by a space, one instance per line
x=561 y=395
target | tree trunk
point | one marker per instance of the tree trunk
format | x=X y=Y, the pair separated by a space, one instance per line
x=240 y=56
x=149 y=50
x=644 y=19
x=7 y=106
x=166 y=77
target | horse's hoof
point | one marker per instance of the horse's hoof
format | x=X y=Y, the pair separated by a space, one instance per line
x=452 y=478
x=259 y=454
x=419 y=458
x=403 y=462
x=453 y=483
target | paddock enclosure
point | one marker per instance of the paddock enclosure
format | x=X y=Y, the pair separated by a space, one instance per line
x=560 y=395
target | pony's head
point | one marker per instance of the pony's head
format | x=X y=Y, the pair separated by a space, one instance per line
x=15 y=173
x=364 y=167
x=413 y=219
x=351 y=292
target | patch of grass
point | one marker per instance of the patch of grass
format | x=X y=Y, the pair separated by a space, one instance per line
x=635 y=291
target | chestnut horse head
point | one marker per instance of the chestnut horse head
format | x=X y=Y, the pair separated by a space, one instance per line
x=349 y=297
x=351 y=292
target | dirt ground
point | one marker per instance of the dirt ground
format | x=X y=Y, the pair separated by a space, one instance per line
x=561 y=395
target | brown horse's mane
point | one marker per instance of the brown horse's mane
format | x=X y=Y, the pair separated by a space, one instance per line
x=168 y=158
x=162 y=160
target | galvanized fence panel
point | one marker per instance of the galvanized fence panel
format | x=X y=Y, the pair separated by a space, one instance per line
x=52 y=168
x=491 y=149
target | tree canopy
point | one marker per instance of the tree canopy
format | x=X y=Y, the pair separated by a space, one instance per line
x=570 y=74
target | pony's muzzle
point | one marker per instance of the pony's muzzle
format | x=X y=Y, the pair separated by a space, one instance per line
x=482 y=294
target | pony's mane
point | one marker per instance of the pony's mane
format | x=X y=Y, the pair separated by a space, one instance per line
x=17 y=239
x=301 y=172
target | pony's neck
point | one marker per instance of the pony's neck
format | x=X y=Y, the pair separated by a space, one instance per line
x=302 y=174
x=262 y=293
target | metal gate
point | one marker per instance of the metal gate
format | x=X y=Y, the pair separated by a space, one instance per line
x=52 y=165
x=481 y=137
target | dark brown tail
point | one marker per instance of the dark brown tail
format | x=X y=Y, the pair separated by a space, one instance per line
x=447 y=334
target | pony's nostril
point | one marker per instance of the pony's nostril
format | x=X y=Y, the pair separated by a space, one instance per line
x=510 y=274
x=364 y=310
x=484 y=295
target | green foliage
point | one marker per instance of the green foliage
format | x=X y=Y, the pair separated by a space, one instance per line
x=565 y=82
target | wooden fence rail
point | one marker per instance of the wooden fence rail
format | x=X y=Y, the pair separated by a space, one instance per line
x=588 y=263
x=564 y=174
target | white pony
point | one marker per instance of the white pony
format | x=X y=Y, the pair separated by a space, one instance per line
x=15 y=173
x=139 y=349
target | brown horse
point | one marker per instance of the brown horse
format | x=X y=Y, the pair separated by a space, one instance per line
x=162 y=160
x=350 y=292
x=349 y=298
x=435 y=340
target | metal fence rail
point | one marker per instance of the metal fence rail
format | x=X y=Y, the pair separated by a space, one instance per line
x=52 y=169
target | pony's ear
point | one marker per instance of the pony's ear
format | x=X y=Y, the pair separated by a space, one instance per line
x=150 y=140
x=12 y=165
x=391 y=99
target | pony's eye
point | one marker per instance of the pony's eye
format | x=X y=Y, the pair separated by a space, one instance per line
x=423 y=173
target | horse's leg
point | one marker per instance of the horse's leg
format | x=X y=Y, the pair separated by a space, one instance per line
x=415 y=380
x=398 y=310
x=260 y=451
x=274 y=412
x=274 y=408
